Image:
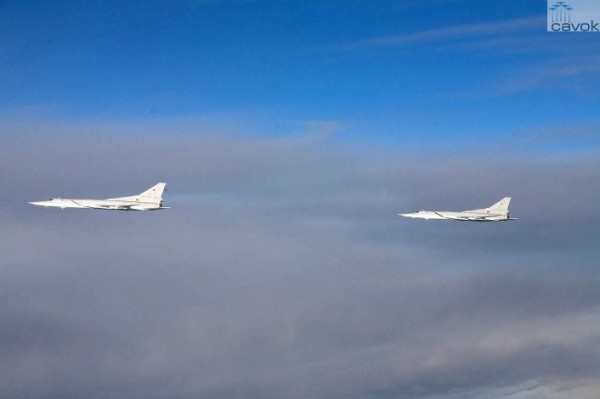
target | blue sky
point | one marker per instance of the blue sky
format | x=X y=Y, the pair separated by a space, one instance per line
x=434 y=71
x=290 y=135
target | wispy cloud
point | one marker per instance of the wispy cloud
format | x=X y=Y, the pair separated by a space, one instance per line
x=570 y=73
x=450 y=34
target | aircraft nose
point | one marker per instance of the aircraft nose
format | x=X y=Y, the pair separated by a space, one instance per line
x=407 y=215
x=38 y=203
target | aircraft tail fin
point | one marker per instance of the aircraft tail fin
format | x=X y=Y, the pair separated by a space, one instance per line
x=153 y=195
x=500 y=206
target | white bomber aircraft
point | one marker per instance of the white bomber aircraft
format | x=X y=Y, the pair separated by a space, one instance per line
x=149 y=200
x=495 y=213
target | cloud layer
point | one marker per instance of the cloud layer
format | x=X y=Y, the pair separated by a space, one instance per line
x=282 y=271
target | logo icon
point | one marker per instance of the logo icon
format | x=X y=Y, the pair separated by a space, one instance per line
x=561 y=12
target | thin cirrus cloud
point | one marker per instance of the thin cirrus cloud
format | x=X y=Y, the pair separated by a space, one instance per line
x=572 y=55
x=565 y=73
x=568 y=59
x=449 y=34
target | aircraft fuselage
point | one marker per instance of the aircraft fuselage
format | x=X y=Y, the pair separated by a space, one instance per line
x=149 y=200
x=461 y=216
x=495 y=213
x=118 y=205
